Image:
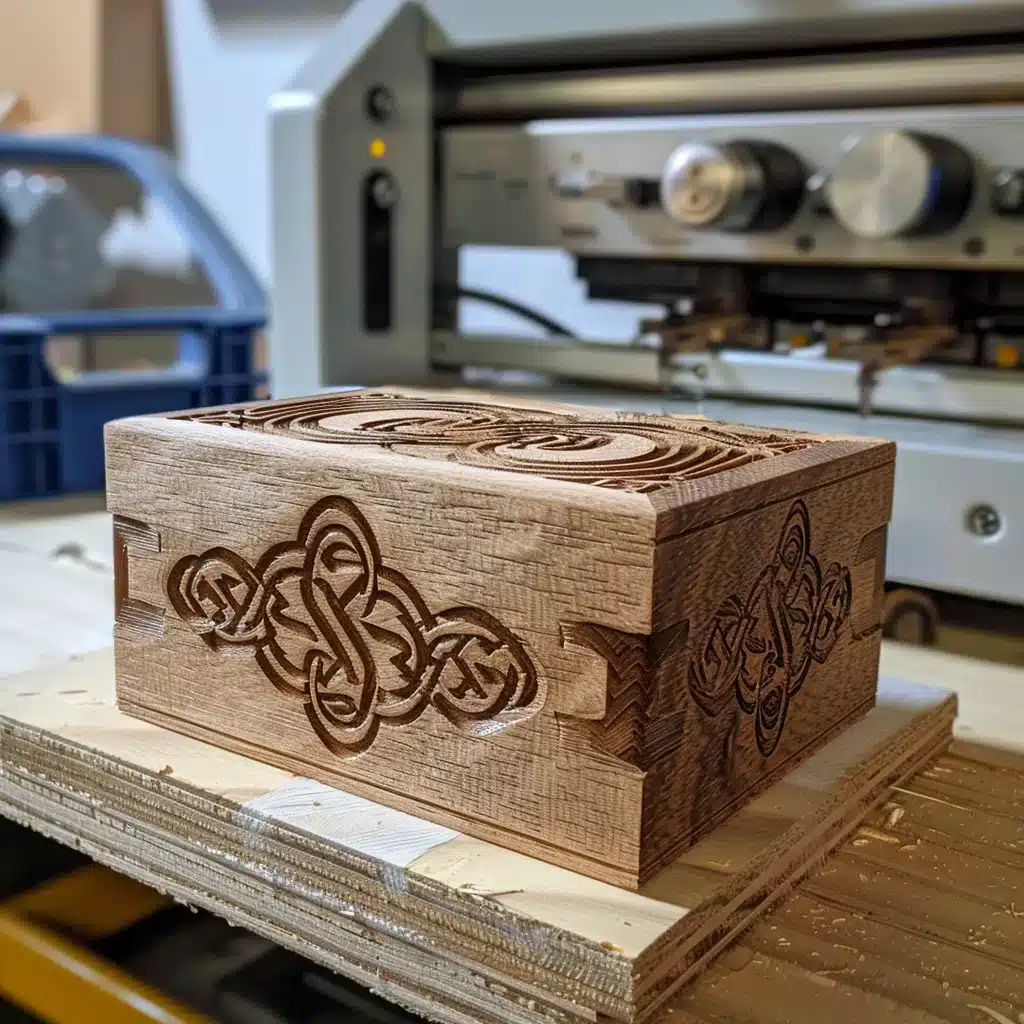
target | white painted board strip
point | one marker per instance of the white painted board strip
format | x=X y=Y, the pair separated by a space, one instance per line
x=349 y=821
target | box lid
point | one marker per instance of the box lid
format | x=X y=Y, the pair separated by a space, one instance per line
x=691 y=470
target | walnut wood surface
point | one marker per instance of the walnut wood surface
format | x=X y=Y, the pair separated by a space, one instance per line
x=590 y=637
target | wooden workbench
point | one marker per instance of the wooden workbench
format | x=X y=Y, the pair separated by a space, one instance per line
x=919 y=918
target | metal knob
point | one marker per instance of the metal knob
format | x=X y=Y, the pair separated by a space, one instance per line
x=737 y=186
x=898 y=183
x=705 y=186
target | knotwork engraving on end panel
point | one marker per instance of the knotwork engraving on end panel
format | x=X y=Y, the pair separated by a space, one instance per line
x=758 y=650
x=331 y=624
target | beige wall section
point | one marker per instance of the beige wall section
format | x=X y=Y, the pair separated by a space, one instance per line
x=47 y=49
x=87 y=66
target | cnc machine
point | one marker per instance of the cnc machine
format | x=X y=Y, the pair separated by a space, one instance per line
x=824 y=202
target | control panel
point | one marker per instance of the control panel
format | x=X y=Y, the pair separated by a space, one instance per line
x=913 y=187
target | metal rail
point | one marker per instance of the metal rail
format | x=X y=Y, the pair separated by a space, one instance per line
x=978 y=75
x=964 y=394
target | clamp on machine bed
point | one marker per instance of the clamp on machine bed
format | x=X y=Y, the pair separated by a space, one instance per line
x=708 y=326
x=698 y=332
x=921 y=328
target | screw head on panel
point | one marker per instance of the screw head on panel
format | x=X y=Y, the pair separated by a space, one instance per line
x=984 y=521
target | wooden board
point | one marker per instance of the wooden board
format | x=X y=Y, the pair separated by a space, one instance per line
x=56 y=601
x=449 y=924
x=586 y=636
x=918 y=918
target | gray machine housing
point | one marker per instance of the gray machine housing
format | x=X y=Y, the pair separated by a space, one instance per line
x=408 y=135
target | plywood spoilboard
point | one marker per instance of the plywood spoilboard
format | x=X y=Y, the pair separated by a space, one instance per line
x=454 y=926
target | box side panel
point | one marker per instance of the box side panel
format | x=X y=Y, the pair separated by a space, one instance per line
x=401 y=634
x=775 y=646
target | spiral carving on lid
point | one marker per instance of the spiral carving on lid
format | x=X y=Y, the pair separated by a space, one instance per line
x=623 y=452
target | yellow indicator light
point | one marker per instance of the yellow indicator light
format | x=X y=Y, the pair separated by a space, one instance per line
x=378 y=148
x=1007 y=356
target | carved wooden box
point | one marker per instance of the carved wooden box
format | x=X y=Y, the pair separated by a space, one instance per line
x=586 y=636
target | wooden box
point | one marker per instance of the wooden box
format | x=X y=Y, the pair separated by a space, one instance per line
x=587 y=636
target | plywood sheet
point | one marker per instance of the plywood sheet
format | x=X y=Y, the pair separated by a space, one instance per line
x=439 y=920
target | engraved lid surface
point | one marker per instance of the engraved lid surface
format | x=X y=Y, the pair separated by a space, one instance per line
x=633 y=453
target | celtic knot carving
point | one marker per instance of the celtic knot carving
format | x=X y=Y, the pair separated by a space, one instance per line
x=633 y=453
x=332 y=625
x=758 y=651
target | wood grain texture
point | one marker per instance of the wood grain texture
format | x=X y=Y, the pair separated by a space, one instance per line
x=916 y=919
x=56 y=601
x=456 y=927
x=890 y=947
x=503 y=616
x=134 y=619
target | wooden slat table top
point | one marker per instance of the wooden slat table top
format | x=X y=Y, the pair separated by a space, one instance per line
x=919 y=918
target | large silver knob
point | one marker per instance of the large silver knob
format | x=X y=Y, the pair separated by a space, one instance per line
x=735 y=186
x=706 y=186
x=897 y=183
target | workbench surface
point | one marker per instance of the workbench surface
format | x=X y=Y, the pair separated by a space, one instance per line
x=919 y=918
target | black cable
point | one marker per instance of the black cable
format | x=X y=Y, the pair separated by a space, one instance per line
x=492 y=299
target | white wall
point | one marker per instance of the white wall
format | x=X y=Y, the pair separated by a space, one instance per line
x=226 y=58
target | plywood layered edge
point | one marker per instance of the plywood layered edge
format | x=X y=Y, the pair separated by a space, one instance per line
x=464 y=930
x=681 y=953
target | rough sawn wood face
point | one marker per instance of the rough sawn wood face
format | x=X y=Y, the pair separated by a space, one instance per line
x=589 y=637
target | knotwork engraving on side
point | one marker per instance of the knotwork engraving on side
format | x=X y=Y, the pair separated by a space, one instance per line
x=331 y=624
x=757 y=651
x=623 y=452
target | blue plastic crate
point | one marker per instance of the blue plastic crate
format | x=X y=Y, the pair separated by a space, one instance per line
x=51 y=432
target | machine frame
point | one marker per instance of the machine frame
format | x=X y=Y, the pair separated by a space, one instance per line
x=363 y=127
